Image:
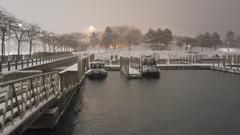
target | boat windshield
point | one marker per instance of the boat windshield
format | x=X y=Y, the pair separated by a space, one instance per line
x=149 y=62
x=96 y=66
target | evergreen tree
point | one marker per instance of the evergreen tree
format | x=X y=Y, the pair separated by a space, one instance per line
x=107 y=37
x=215 y=40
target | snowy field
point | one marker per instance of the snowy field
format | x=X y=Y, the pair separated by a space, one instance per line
x=171 y=53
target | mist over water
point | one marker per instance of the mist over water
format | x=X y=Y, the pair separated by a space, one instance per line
x=179 y=103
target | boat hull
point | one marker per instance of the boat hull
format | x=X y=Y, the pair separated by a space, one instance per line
x=149 y=74
x=96 y=74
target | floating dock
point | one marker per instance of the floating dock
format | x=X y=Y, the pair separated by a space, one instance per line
x=129 y=69
x=233 y=70
x=184 y=66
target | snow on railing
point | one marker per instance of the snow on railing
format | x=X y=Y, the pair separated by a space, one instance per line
x=20 y=96
x=24 y=63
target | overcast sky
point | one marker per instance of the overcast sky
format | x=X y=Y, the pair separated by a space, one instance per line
x=184 y=17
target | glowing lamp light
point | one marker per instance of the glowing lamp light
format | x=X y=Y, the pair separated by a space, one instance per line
x=91 y=28
x=20 y=25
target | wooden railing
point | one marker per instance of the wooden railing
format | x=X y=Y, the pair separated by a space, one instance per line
x=24 y=63
x=20 y=96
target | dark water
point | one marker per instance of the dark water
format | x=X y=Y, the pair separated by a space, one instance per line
x=179 y=103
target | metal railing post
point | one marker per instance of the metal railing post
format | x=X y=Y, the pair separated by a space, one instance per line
x=27 y=62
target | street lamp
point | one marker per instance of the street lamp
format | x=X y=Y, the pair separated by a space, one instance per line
x=20 y=25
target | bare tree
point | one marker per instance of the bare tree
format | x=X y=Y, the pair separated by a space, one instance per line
x=20 y=33
x=32 y=33
x=134 y=37
x=3 y=31
x=44 y=38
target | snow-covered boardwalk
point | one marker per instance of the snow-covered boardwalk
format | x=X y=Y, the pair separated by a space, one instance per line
x=12 y=68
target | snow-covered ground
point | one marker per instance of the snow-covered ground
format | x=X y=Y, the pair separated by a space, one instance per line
x=171 y=53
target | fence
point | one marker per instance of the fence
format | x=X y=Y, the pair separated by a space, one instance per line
x=20 y=96
x=227 y=62
x=14 y=65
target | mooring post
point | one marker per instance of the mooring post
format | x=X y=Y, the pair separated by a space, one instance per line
x=40 y=60
x=27 y=62
x=22 y=63
x=230 y=61
x=36 y=61
x=79 y=68
x=213 y=62
x=139 y=64
x=196 y=58
x=190 y=59
x=0 y=67
x=9 y=65
x=193 y=58
x=224 y=59
x=234 y=61
x=128 y=66
x=16 y=64
x=238 y=59
x=120 y=64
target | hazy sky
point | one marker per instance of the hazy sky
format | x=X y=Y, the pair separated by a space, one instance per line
x=185 y=17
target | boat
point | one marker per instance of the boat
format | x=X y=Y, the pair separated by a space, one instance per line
x=149 y=67
x=96 y=70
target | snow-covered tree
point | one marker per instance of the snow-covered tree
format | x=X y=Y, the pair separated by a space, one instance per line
x=167 y=37
x=216 y=40
x=230 y=39
x=94 y=39
x=148 y=37
x=107 y=37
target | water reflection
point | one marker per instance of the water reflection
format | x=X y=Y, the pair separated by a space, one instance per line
x=180 y=102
